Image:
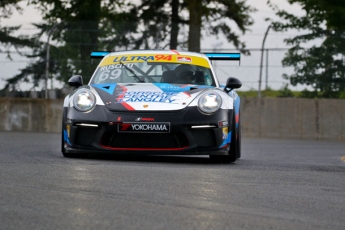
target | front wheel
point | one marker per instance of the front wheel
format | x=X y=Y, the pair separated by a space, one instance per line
x=62 y=131
x=235 y=149
x=63 y=148
x=72 y=155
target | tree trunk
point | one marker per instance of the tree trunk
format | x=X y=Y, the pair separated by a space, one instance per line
x=174 y=24
x=194 y=35
x=90 y=34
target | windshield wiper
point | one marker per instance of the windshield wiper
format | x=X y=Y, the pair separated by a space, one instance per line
x=130 y=70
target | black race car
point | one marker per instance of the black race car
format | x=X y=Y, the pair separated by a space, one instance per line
x=155 y=103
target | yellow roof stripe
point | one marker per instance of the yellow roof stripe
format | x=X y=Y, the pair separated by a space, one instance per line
x=168 y=58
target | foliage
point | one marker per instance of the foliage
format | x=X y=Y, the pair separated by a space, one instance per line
x=323 y=94
x=285 y=92
x=254 y=93
x=7 y=39
x=7 y=7
x=211 y=16
x=82 y=26
x=309 y=94
x=161 y=20
x=217 y=15
x=320 y=66
x=72 y=29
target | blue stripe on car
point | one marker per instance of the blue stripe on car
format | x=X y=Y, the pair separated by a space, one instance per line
x=109 y=88
x=226 y=141
x=65 y=137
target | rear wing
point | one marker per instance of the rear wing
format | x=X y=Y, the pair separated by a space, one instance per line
x=224 y=57
x=98 y=54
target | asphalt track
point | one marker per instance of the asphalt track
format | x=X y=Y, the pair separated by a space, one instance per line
x=277 y=184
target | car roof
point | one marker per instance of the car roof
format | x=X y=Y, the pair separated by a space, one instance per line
x=164 y=52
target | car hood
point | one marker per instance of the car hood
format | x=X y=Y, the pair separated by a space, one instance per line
x=147 y=96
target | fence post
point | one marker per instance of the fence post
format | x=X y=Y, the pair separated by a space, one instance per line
x=262 y=60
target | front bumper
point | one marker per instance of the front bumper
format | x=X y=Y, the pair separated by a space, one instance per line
x=191 y=132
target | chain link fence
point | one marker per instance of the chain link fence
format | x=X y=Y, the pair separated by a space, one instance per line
x=248 y=71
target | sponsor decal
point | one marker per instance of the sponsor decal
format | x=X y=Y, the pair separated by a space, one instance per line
x=166 y=87
x=146 y=96
x=223 y=123
x=226 y=138
x=115 y=66
x=140 y=127
x=144 y=119
x=225 y=133
x=184 y=59
x=137 y=58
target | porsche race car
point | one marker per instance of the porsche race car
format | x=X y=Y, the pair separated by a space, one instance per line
x=154 y=102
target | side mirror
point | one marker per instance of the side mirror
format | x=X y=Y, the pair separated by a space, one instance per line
x=233 y=83
x=76 y=81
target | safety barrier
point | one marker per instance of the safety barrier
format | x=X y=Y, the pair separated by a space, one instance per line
x=296 y=118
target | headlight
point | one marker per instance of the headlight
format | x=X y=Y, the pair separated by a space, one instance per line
x=84 y=100
x=210 y=102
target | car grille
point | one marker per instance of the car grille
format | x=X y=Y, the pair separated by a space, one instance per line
x=204 y=137
x=144 y=140
x=85 y=136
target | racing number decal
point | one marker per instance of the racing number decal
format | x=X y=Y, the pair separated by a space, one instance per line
x=116 y=73
x=163 y=57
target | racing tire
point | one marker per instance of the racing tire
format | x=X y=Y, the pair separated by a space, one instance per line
x=62 y=132
x=238 y=141
x=234 y=147
x=63 y=150
x=71 y=155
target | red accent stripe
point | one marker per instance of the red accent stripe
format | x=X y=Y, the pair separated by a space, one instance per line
x=175 y=52
x=125 y=127
x=187 y=94
x=225 y=146
x=124 y=90
x=144 y=149
x=127 y=106
x=237 y=117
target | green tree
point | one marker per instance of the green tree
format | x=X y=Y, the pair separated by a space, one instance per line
x=79 y=27
x=320 y=65
x=7 y=39
x=213 y=16
x=165 y=18
x=161 y=21
x=75 y=28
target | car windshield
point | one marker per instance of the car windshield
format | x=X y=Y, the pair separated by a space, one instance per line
x=118 y=71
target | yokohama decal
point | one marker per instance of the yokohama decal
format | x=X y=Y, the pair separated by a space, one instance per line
x=140 y=127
